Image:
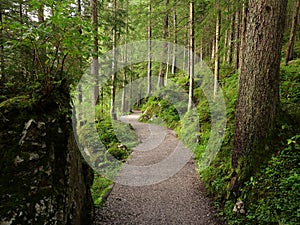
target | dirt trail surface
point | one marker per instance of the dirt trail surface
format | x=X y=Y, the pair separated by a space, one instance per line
x=178 y=198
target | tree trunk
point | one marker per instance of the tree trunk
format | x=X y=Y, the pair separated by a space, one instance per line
x=201 y=49
x=213 y=49
x=258 y=94
x=113 y=67
x=165 y=48
x=225 y=46
x=167 y=66
x=2 y=67
x=230 y=40
x=149 y=71
x=290 y=49
x=243 y=32
x=95 y=61
x=237 y=40
x=123 y=105
x=174 y=41
x=191 y=55
x=217 y=53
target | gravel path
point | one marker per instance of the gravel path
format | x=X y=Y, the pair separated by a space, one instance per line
x=158 y=184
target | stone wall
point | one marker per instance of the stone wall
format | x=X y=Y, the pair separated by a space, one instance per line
x=44 y=179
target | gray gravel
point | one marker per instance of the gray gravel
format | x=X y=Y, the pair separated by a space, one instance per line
x=180 y=199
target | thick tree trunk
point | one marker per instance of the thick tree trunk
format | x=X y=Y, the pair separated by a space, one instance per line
x=258 y=94
x=217 y=53
x=290 y=49
x=149 y=71
x=191 y=55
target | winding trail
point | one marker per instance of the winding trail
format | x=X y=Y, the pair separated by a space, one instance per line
x=163 y=196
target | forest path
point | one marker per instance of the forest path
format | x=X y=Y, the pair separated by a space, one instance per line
x=166 y=198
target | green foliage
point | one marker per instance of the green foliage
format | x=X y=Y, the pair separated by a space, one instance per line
x=101 y=187
x=290 y=88
x=271 y=193
x=159 y=111
x=118 y=138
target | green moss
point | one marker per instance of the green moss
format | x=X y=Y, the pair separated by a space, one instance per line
x=15 y=102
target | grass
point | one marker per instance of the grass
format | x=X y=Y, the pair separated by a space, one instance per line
x=118 y=139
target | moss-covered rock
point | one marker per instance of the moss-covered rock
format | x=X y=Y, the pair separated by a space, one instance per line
x=43 y=177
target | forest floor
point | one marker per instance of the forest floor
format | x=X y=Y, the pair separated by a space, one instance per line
x=157 y=197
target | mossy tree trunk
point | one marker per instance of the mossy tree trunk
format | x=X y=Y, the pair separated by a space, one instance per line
x=258 y=94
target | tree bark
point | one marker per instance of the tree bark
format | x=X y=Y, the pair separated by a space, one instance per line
x=2 y=67
x=95 y=60
x=243 y=32
x=290 y=49
x=160 y=82
x=258 y=94
x=230 y=40
x=191 y=55
x=149 y=71
x=217 y=53
x=174 y=41
x=237 y=40
x=114 y=67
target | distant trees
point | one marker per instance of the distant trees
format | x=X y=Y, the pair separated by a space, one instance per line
x=291 y=43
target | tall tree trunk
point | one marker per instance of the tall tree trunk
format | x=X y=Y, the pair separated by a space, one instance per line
x=213 y=49
x=237 y=40
x=174 y=41
x=290 y=49
x=149 y=71
x=217 y=54
x=2 y=67
x=167 y=66
x=130 y=90
x=191 y=55
x=114 y=66
x=95 y=60
x=79 y=88
x=162 y=68
x=230 y=40
x=258 y=94
x=243 y=32
x=123 y=105
x=184 y=55
x=225 y=45
x=201 y=49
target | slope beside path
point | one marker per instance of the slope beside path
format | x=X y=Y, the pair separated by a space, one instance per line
x=157 y=197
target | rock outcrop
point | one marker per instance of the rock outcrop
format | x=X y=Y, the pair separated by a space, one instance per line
x=44 y=179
